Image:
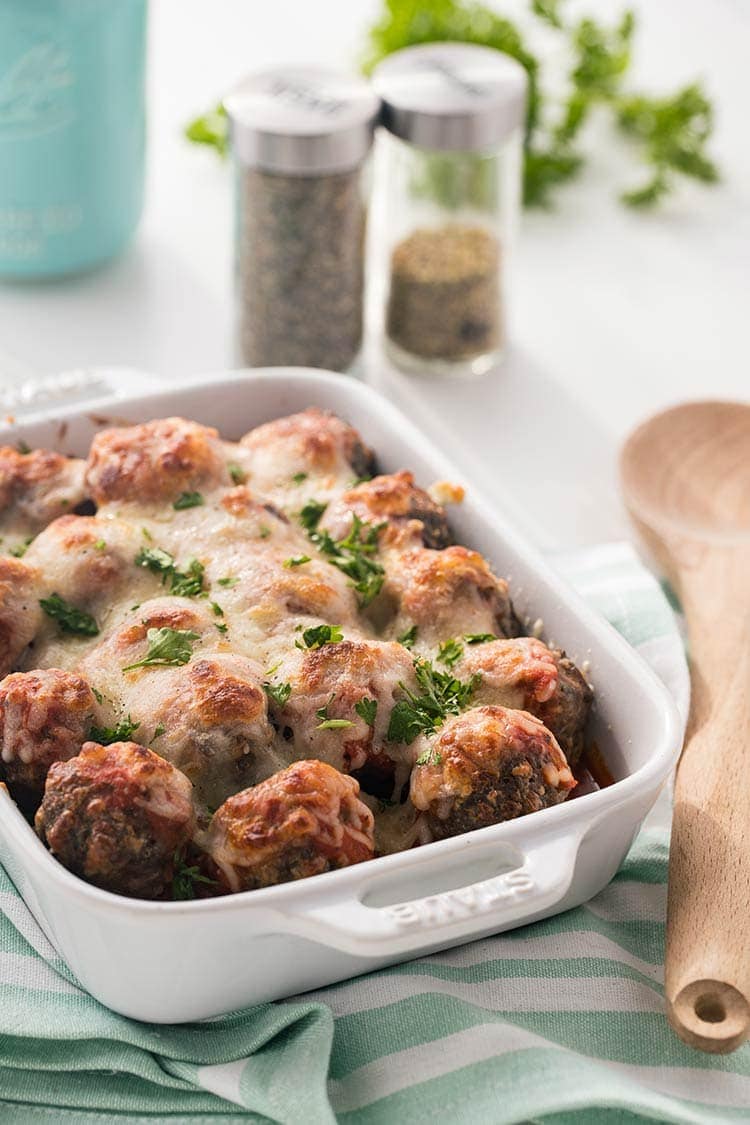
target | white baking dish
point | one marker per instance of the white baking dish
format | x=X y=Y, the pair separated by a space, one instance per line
x=168 y=962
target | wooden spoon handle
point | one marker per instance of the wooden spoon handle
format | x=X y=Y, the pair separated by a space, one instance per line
x=708 y=914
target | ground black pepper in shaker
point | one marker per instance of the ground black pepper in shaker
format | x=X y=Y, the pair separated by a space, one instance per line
x=300 y=139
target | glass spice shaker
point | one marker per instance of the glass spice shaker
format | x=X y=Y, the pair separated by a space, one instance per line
x=449 y=166
x=300 y=140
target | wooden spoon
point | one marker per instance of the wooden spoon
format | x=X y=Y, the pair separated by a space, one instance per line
x=686 y=481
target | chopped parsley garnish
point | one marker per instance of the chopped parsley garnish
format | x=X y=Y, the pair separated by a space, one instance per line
x=100 y=545
x=264 y=531
x=68 y=617
x=353 y=555
x=331 y=724
x=188 y=500
x=450 y=652
x=186 y=878
x=320 y=635
x=23 y=448
x=228 y=582
x=311 y=514
x=166 y=646
x=121 y=732
x=440 y=695
x=367 y=709
x=236 y=472
x=222 y=627
x=408 y=637
x=147 y=535
x=97 y=695
x=298 y=478
x=218 y=611
x=479 y=638
x=296 y=560
x=184 y=584
x=279 y=693
x=159 y=730
x=190 y=583
x=429 y=757
x=21 y=548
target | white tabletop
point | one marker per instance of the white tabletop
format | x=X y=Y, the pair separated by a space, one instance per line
x=615 y=313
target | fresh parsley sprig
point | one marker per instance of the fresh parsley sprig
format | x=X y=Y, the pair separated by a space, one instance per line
x=186 y=878
x=187 y=583
x=69 y=618
x=353 y=555
x=166 y=646
x=331 y=724
x=120 y=732
x=318 y=635
x=440 y=695
x=279 y=693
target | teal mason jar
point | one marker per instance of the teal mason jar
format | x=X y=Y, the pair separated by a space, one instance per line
x=72 y=132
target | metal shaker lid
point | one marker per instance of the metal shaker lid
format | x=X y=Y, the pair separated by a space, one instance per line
x=302 y=119
x=457 y=97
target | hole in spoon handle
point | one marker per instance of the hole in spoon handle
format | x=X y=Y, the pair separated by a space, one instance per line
x=710 y=1015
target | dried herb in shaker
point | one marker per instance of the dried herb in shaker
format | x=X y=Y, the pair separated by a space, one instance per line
x=444 y=300
x=449 y=168
x=300 y=139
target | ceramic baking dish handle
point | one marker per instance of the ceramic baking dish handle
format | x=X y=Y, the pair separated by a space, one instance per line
x=536 y=885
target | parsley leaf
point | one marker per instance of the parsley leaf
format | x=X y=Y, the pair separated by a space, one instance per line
x=367 y=709
x=228 y=582
x=264 y=531
x=311 y=514
x=166 y=646
x=236 y=472
x=479 y=638
x=190 y=583
x=298 y=478
x=279 y=693
x=156 y=560
x=211 y=128
x=185 y=880
x=218 y=611
x=297 y=560
x=68 y=618
x=319 y=635
x=440 y=695
x=121 y=732
x=353 y=556
x=408 y=637
x=331 y=724
x=23 y=447
x=159 y=730
x=429 y=757
x=188 y=500
x=100 y=545
x=450 y=652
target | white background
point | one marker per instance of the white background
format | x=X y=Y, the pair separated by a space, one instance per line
x=615 y=313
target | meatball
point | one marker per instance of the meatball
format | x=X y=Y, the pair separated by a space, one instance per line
x=321 y=716
x=314 y=443
x=45 y=717
x=524 y=673
x=412 y=518
x=209 y=719
x=155 y=462
x=488 y=765
x=36 y=488
x=448 y=593
x=303 y=821
x=20 y=612
x=117 y=816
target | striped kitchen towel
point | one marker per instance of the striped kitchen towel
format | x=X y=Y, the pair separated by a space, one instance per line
x=561 y=1021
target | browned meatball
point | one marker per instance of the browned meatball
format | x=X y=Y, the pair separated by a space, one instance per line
x=321 y=719
x=156 y=461
x=36 y=488
x=411 y=517
x=20 y=613
x=117 y=815
x=488 y=765
x=313 y=441
x=303 y=821
x=448 y=593
x=524 y=673
x=45 y=717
